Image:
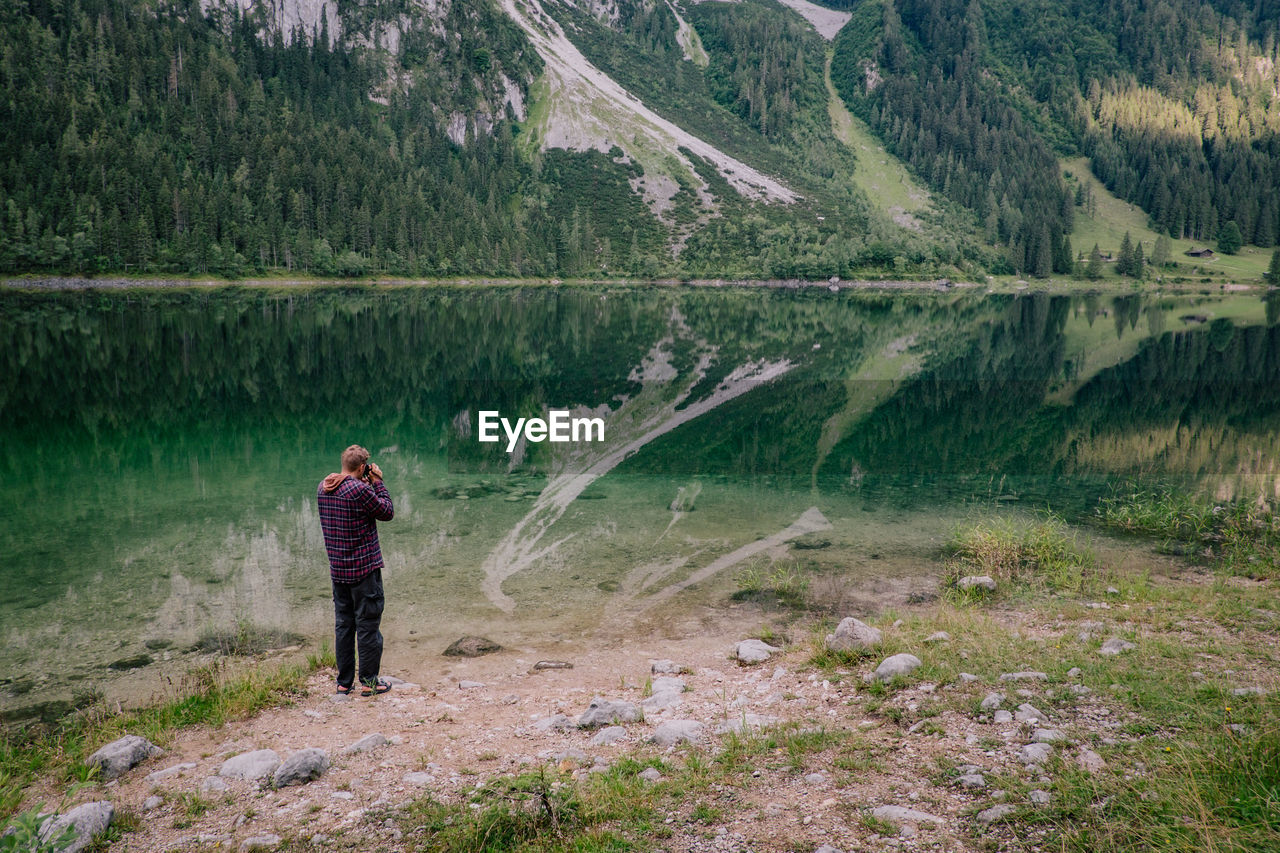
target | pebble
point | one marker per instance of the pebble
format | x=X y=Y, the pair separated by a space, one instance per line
x=1074 y=672
x=366 y=743
x=992 y=701
x=470 y=685
x=609 y=736
x=212 y=785
x=1116 y=646
x=968 y=678
x=152 y=802
x=607 y=712
x=1002 y=717
x=1035 y=753
x=977 y=582
x=552 y=664
x=260 y=842
x=556 y=722
x=1024 y=676
x=673 y=732
x=650 y=774
x=419 y=778
x=898 y=815
x=1028 y=713
x=1048 y=736
x=972 y=780
x=1039 y=797
x=170 y=772
x=1090 y=762
x=668 y=684
x=665 y=667
x=1248 y=691
x=995 y=813
x=938 y=637
x=815 y=778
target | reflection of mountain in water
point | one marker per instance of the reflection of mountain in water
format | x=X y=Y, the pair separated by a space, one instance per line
x=171 y=441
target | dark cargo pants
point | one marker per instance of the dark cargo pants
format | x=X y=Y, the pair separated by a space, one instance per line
x=357 y=613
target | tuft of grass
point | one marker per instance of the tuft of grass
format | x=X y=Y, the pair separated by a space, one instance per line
x=1241 y=537
x=247 y=640
x=324 y=658
x=539 y=811
x=778 y=584
x=1041 y=554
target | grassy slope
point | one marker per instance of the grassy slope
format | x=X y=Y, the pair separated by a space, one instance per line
x=1115 y=217
x=879 y=174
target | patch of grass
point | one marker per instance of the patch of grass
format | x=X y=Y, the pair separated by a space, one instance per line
x=322 y=659
x=1241 y=537
x=209 y=695
x=540 y=811
x=1041 y=554
x=780 y=584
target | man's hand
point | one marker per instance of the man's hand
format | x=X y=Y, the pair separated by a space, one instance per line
x=375 y=471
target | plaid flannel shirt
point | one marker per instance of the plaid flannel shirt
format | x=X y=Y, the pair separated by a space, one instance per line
x=349 y=517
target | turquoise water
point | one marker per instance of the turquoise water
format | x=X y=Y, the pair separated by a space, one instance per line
x=162 y=450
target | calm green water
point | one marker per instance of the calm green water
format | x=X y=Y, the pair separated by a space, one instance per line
x=162 y=450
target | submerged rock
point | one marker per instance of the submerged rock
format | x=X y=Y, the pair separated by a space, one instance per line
x=471 y=647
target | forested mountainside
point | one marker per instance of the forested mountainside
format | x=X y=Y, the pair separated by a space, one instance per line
x=619 y=137
x=1175 y=103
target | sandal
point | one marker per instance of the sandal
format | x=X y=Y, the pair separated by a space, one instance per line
x=377 y=688
x=343 y=690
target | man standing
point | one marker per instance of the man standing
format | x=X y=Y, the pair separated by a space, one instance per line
x=352 y=502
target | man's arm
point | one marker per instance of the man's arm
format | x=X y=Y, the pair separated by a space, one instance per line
x=376 y=501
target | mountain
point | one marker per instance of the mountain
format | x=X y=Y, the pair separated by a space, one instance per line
x=625 y=137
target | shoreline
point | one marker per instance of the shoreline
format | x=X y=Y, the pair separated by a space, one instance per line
x=44 y=284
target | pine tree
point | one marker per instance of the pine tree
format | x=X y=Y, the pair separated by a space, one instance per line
x=1124 y=261
x=1273 y=271
x=1093 y=271
x=1229 y=238
x=1160 y=254
x=1138 y=264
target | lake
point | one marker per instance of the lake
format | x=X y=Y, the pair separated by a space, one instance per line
x=162 y=449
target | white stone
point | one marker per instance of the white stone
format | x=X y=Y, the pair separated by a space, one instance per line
x=250 y=765
x=977 y=582
x=1116 y=646
x=853 y=635
x=673 y=732
x=895 y=665
x=898 y=815
x=754 y=651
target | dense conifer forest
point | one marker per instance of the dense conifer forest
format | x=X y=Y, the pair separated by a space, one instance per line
x=182 y=137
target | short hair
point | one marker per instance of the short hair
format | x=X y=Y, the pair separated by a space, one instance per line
x=353 y=457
